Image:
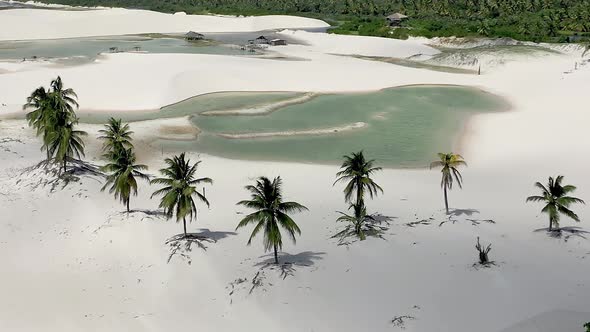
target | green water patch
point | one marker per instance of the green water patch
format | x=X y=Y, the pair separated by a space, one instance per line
x=219 y=101
x=89 y=48
x=404 y=127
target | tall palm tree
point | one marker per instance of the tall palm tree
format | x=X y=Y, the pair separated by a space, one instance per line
x=179 y=188
x=357 y=171
x=40 y=102
x=116 y=136
x=556 y=200
x=449 y=163
x=266 y=198
x=123 y=171
x=66 y=99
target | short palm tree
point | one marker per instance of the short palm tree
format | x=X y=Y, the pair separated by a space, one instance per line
x=554 y=195
x=449 y=163
x=360 y=224
x=116 y=136
x=266 y=198
x=122 y=178
x=179 y=188
x=357 y=171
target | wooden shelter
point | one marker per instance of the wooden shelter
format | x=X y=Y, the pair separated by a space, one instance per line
x=191 y=35
x=396 y=19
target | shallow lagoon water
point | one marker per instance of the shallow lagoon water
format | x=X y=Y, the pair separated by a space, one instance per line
x=405 y=127
x=89 y=48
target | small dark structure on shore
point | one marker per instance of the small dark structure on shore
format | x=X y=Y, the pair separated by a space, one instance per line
x=395 y=20
x=261 y=40
x=278 y=42
x=191 y=36
x=114 y=49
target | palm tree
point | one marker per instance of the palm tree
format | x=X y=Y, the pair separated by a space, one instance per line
x=360 y=224
x=41 y=104
x=357 y=171
x=449 y=163
x=556 y=199
x=267 y=199
x=179 y=188
x=116 y=136
x=123 y=171
x=65 y=98
x=65 y=142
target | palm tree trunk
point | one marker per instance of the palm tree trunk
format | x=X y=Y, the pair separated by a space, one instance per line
x=184 y=222
x=65 y=164
x=128 y=199
x=276 y=255
x=446 y=200
x=550 y=224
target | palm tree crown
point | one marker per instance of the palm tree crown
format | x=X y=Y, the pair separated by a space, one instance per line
x=449 y=163
x=179 y=188
x=357 y=171
x=554 y=195
x=271 y=212
x=123 y=173
x=116 y=136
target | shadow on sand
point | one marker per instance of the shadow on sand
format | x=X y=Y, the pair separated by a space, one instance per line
x=463 y=212
x=565 y=233
x=182 y=244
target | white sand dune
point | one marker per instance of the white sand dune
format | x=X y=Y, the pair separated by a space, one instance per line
x=52 y=24
x=264 y=109
x=361 y=45
x=73 y=262
x=319 y=131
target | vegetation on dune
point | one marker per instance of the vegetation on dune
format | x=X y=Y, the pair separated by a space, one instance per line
x=587 y=326
x=556 y=199
x=179 y=189
x=449 y=163
x=124 y=172
x=546 y=20
x=356 y=171
x=271 y=214
x=53 y=116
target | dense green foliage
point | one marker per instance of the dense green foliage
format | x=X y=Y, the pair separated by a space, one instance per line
x=266 y=198
x=121 y=165
x=551 y=20
x=53 y=116
x=179 y=188
x=554 y=195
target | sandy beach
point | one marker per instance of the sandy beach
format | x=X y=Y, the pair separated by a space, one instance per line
x=74 y=261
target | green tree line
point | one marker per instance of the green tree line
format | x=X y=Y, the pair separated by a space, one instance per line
x=538 y=20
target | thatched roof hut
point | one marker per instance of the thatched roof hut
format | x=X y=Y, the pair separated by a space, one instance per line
x=396 y=19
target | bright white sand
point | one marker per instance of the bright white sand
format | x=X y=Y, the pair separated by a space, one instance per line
x=72 y=262
x=51 y=24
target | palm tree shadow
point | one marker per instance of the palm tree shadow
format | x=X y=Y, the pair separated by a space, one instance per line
x=49 y=173
x=461 y=212
x=182 y=245
x=290 y=262
x=565 y=233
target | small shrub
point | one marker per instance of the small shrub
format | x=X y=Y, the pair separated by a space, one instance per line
x=483 y=253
